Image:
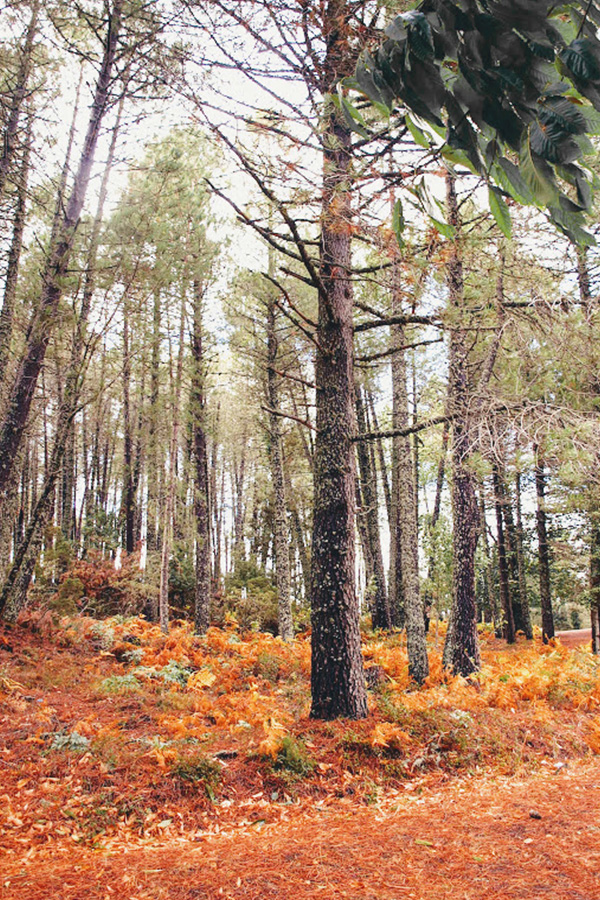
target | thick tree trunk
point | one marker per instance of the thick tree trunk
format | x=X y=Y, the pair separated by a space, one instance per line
x=201 y=486
x=543 y=550
x=281 y=530
x=337 y=676
x=461 y=651
x=13 y=426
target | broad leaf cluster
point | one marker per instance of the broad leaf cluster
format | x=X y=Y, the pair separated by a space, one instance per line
x=513 y=88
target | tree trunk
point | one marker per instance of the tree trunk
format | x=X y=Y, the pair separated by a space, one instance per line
x=169 y=514
x=461 y=651
x=128 y=498
x=281 y=535
x=337 y=675
x=153 y=527
x=13 y=426
x=523 y=598
x=370 y=508
x=201 y=487
x=508 y=622
x=543 y=550
x=429 y=598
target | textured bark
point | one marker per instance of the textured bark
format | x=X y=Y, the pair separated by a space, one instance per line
x=13 y=426
x=201 y=486
x=169 y=513
x=128 y=498
x=543 y=550
x=508 y=622
x=380 y=611
x=387 y=493
x=337 y=675
x=591 y=311
x=487 y=573
x=153 y=529
x=461 y=651
x=399 y=448
x=595 y=581
x=429 y=598
x=407 y=535
x=281 y=530
x=523 y=598
x=239 y=507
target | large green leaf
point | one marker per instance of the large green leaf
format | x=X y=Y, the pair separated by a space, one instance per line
x=536 y=176
x=499 y=210
x=398 y=223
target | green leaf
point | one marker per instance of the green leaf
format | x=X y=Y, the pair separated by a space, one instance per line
x=417 y=135
x=535 y=174
x=352 y=116
x=499 y=210
x=444 y=228
x=398 y=222
x=510 y=179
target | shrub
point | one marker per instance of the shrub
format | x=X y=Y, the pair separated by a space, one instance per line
x=199 y=769
x=251 y=596
x=294 y=757
x=70 y=740
x=94 y=584
x=118 y=684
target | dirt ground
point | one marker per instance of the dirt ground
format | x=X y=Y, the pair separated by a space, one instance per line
x=493 y=838
x=495 y=796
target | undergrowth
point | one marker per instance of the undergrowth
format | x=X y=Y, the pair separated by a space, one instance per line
x=179 y=722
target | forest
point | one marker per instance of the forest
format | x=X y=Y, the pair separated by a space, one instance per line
x=299 y=448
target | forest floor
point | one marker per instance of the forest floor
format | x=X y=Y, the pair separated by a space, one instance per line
x=141 y=767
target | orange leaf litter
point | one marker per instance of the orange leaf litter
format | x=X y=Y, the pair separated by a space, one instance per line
x=432 y=832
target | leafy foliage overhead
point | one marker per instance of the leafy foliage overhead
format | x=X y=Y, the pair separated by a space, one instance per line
x=513 y=86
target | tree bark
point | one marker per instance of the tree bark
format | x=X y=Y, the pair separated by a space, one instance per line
x=201 y=487
x=337 y=675
x=281 y=530
x=508 y=622
x=461 y=651
x=543 y=550
x=519 y=542
x=380 y=613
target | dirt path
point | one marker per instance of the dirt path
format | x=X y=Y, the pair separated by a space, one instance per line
x=578 y=638
x=469 y=839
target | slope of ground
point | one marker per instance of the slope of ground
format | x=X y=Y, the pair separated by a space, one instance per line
x=138 y=766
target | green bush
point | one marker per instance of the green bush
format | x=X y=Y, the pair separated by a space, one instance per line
x=294 y=757
x=250 y=595
x=199 y=769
